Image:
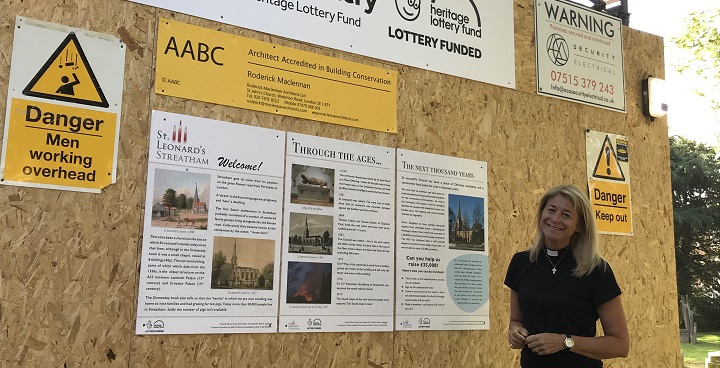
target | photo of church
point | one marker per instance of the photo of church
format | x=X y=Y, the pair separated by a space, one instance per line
x=466 y=222
x=310 y=233
x=180 y=199
x=242 y=263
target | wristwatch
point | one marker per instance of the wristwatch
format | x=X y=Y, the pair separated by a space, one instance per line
x=569 y=342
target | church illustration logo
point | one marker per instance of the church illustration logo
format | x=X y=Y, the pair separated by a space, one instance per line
x=293 y=325
x=178 y=134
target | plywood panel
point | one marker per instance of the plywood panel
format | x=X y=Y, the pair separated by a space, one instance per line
x=69 y=259
x=69 y=264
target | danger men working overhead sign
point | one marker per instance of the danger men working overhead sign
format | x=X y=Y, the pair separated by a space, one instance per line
x=64 y=103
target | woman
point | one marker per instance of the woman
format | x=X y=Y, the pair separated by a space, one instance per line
x=561 y=286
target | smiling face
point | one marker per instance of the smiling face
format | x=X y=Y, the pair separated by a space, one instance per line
x=559 y=221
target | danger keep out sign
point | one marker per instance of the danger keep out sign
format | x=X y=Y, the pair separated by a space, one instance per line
x=64 y=102
x=609 y=182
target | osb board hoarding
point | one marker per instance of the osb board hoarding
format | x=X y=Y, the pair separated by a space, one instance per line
x=68 y=271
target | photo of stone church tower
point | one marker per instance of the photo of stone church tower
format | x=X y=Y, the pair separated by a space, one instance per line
x=462 y=232
x=466 y=222
x=244 y=276
x=310 y=233
x=242 y=263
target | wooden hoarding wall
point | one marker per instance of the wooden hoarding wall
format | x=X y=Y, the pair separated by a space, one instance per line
x=69 y=261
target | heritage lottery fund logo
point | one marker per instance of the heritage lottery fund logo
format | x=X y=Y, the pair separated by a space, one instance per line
x=461 y=20
x=455 y=20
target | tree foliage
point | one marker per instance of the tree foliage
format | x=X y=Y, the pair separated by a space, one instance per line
x=181 y=201
x=169 y=200
x=478 y=217
x=269 y=271
x=451 y=221
x=696 y=201
x=702 y=39
x=218 y=261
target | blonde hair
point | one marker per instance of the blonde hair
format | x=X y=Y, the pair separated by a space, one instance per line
x=584 y=242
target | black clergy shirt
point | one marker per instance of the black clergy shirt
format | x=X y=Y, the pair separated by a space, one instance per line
x=559 y=303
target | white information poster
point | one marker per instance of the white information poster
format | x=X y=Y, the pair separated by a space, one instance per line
x=212 y=227
x=470 y=38
x=338 y=251
x=442 y=250
x=579 y=54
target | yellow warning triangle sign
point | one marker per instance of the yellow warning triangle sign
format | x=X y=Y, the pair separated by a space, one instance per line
x=607 y=165
x=67 y=76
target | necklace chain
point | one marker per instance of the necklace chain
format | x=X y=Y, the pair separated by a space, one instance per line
x=554 y=269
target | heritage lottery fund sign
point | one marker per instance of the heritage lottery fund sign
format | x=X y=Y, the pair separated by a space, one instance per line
x=206 y=65
x=579 y=54
x=63 y=108
x=608 y=171
x=470 y=39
